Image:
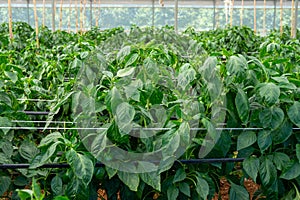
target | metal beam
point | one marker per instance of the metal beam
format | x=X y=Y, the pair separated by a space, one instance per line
x=53 y=15
x=274 y=19
x=153 y=12
x=91 y=13
x=296 y=18
x=28 y=13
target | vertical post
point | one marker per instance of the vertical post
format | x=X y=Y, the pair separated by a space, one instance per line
x=296 y=18
x=60 y=14
x=53 y=15
x=214 y=19
x=254 y=7
x=70 y=13
x=281 y=16
x=292 y=18
x=81 y=15
x=242 y=13
x=10 y=20
x=231 y=12
x=274 y=19
x=36 y=24
x=91 y=13
x=28 y=13
x=153 y=12
x=176 y=16
x=76 y=16
x=44 y=12
x=264 y=18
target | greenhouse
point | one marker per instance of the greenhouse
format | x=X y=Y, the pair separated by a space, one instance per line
x=149 y=100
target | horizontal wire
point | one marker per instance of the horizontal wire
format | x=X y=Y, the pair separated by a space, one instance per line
x=36 y=100
x=99 y=164
x=44 y=122
x=147 y=129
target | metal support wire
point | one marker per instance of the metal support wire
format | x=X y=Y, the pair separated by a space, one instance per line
x=99 y=164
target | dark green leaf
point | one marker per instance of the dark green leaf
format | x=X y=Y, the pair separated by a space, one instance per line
x=271 y=117
x=57 y=185
x=180 y=175
x=28 y=150
x=202 y=187
x=242 y=105
x=153 y=179
x=172 y=192
x=185 y=189
x=251 y=166
x=5 y=183
x=267 y=171
x=292 y=172
x=280 y=160
x=294 y=113
x=246 y=139
x=298 y=151
x=269 y=92
x=264 y=140
x=132 y=180
x=238 y=192
x=5 y=122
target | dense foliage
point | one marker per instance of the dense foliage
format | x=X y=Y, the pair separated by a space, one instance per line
x=150 y=77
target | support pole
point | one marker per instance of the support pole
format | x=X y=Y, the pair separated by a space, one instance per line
x=281 y=17
x=36 y=24
x=254 y=7
x=231 y=12
x=53 y=15
x=214 y=19
x=60 y=14
x=274 y=19
x=70 y=14
x=176 y=16
x=264 y=17
x=292 y=18
x=10 y=20
x=296 y=18
x=44 y=13
x=153 y=12
x=28 y=13
x=242 y=13
x=91 y=13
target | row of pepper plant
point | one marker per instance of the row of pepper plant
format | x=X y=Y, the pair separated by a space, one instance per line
x=212 y=80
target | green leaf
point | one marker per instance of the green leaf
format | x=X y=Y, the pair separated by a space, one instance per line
x=292 y=172
x=125 y=72
x=50 y=138
x=242 y=105
x=202 y=187
x=5 y=183
x=264 y=140
x=237 y=65
x=132 y=59
x=111 y=172
x=269 y=92
x=153 y=179
x=238 y=192
x=283 y=133
x=124 y=116
x=116 y=99
x=61 y=198
x=280 y=160
x=6 y=147
x=185 y=189
x=294 y=113
x=251 y=167
x=37 y=193
x=28 y=150
x=13 y=76
x=132 y=180
x=25 y=194
x=186 y=76
x=172 y=192
x=43 y=158
x=5 y=122
x=246 y=139
x=271 y=117
x=180 y=175
x=125 y=51
x=81 y=165
x=298 y=151
x=267 y=171
x=57 y=185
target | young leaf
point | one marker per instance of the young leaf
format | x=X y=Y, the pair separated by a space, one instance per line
x=132 y=59
x=185 y=189
x=242 y=105
x=125 y=72
x=37 y=193
x=238 y=192
x=180 y=175
x=251 y=166
x=132 y=180
x=246 y=139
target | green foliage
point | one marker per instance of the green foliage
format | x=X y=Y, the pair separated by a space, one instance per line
x=253 y=79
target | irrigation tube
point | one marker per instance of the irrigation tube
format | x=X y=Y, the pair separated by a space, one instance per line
x=65 y=165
